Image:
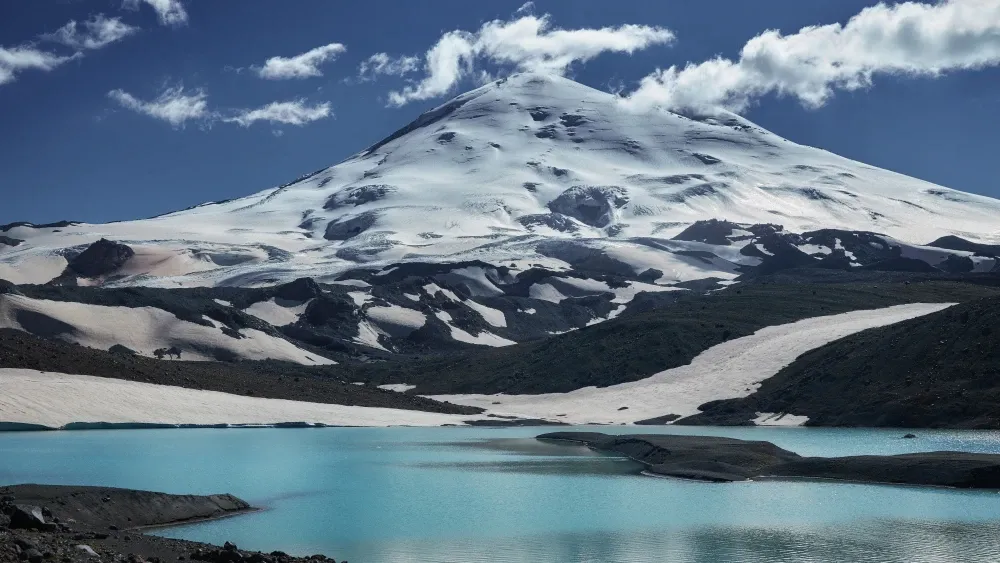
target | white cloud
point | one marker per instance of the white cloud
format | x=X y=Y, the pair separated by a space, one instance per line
x=97 y=32
x=305 y=65
x=169 y=12
x=177 y=106
x=174 y=105
x=908 y=39
x=528 y=43
x=295 y=112
x=526 y=8
x=382 y=63
x=24 y=57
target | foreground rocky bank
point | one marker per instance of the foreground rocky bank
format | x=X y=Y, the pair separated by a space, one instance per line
x=708 y=458
x=53 y=523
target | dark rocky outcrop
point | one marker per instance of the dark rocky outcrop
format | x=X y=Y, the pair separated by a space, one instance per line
x=8 y=288
x=346 y=228
x=712 y=231
x=56 y=225
x=10 y=241
x=900 y=264
x=593 y=205
x=951 y=242
x=27 y=517
x=710 y=458
x=71 y=523
x=101 y=258
x=302 y=289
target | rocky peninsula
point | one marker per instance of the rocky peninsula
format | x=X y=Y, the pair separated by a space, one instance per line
x=709 y=458
x=55 y=523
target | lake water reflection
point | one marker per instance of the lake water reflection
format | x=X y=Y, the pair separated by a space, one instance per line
x=478 y=494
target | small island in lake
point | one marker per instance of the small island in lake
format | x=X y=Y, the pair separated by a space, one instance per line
x=709 y=458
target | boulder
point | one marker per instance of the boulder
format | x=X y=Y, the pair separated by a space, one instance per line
x=27 y=517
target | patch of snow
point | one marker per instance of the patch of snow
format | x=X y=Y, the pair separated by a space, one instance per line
x=493 y=316
x=32 y=269
x=484 y=338
x=143 y=329
x=397 y=387
x=815 y=249
x=411 y=296
x=360 y=297
x=728 y=370
x=223 y=303
x=275 y=313
x=396 y=321
x=368 y=336
x=779 y=419
x=432 y=289
x=545 y=292
x=55 y=400
x=761 y=248
x=528 y=311
x=353 y=283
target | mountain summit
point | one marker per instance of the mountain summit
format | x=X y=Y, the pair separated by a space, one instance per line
x=505 y=174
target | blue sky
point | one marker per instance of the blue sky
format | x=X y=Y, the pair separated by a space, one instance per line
x=78 y=141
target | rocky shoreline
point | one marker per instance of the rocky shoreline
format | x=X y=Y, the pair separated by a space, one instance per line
x=54 y=523
x=715 y=459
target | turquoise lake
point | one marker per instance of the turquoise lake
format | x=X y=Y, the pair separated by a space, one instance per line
x=474 y=494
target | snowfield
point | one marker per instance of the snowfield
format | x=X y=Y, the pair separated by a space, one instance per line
x=143 y=329
x=729 y=370
x=527 y=170
x=55 y=400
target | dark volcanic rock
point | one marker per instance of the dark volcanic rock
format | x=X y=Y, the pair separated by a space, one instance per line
x=712 y=231
x=344 y=229
x=302 y=289
x=102 y=257
x=958 y=243
x=901 y=264
x=710 y=458
x=101 y=507
x=8 y=288
x=10 y=241
x=27 y=517
x=94 y=535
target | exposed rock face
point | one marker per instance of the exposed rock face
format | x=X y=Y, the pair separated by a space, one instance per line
x=958 y=243
x=593 y=205
x=344 y=229
x=302 y=289
x=101 y=258
x=10 y=241
x=712 y=231
x=7 y=288
x=710 y=458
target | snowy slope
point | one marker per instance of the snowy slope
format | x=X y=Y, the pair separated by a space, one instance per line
x=729 y=370
x=55 y=400
x=525 y=170
x=143 y=330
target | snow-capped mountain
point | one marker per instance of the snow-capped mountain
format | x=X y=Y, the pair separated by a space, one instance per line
x=525 y=171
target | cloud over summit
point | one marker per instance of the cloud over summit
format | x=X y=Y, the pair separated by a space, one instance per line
x=908 y=39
